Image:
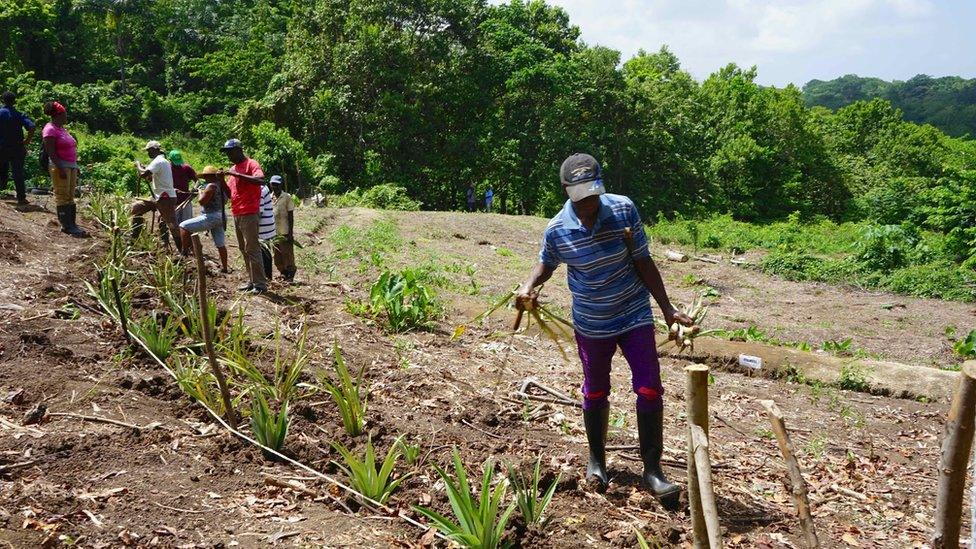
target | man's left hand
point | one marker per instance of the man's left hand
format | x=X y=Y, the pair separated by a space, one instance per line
x=673 y=315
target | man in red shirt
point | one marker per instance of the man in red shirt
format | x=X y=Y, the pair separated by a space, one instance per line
x=244 y=182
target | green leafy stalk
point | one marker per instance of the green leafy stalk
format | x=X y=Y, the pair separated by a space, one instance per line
x=347 y=395
x=376 y=484
x=268 y=427
x=531 y=504
x=479 y=518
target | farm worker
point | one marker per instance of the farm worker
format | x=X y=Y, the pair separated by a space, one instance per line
x=284 y=212
x=183 y=175
x=62 y=153
x=163 y=192
x=266 y=229
x=212 y=198
x=471 y=197
x=610 y=286
x=13 y=145
x=245 y=183
x=489 y=197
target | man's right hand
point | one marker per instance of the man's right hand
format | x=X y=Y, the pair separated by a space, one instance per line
x=526 y=300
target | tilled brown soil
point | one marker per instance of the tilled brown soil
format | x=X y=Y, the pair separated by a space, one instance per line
x=870 y=461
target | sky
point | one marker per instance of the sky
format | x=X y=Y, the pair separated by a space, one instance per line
x=791 y=41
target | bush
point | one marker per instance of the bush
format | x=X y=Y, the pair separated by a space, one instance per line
x=893 y=201
x=943 y=280
x=404 y=301
x=789 y=264
x=886 y=247
x=382 y=197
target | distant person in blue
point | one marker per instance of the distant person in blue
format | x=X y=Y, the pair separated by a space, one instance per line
x=489 y=197
x=13 y=145
x=611 y=279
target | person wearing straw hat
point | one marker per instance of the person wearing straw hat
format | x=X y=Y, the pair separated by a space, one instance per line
x=183 y=175
x=163 y=192
x=611 y=276
x=212 y=198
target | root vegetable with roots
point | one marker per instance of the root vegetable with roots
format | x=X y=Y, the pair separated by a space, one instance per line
x=549 y=322
x=684 y=336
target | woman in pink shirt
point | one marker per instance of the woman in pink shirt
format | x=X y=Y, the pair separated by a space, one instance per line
x=62 y=151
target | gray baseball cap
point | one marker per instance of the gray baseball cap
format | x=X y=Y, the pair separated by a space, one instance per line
x=582 y=177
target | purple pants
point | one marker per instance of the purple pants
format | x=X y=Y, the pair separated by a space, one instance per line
x=640 y=351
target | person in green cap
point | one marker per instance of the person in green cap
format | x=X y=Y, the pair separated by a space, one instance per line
x=183 y=175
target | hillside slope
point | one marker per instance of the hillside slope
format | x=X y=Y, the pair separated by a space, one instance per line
x=870 y=460
x=948 y=103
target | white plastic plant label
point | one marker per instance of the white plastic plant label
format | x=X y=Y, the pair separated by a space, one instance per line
x=749 y=361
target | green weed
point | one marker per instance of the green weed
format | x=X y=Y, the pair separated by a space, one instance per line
x=411 y=452
x=853 y=377
x=531 y=502
x=816 y=446
x=842 y=347
x=403 y=301
x=642 y=542
x=966 y=347
x=196 y=380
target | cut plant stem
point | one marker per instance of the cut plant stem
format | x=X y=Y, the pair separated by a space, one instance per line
x=207 y=339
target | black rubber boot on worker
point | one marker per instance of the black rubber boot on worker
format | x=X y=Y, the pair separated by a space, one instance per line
x=71 y=217
x=66 y=218
x=596 y=422
x=650 y=428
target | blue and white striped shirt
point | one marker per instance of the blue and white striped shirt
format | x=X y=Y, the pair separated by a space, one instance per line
x=609 y=297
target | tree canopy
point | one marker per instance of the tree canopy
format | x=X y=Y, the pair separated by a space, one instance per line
x=433 y=95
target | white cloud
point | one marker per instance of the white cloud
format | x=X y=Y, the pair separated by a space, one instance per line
x=788 y=39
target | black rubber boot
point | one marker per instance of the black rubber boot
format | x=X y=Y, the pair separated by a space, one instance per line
x=650 y=427
x=66 y=217
x=63 y=218
x=596 y=422
x=76 y=231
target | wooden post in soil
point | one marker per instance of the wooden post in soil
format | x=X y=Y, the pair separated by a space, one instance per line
x=207 y=337
x=705 y=492
x=696 y=396
x=957 y=444
x=799 y=490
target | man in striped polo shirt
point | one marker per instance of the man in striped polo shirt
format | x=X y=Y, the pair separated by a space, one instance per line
x=611 y=277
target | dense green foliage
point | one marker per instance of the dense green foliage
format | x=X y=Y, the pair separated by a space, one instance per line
x=403 y=105
x=948 y=103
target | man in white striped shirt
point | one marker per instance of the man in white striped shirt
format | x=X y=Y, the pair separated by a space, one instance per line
x=266 y=228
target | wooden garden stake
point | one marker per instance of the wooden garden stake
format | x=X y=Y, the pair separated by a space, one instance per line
x=706 y=494
x=956 y=446
x=207 y=338
x=696 y=395
x=799 y=490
